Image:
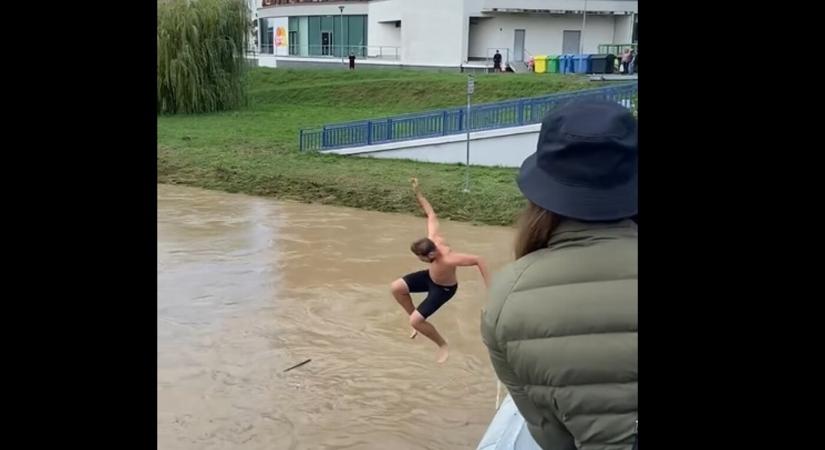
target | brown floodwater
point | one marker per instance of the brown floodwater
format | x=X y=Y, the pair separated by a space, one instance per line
x=249 y=286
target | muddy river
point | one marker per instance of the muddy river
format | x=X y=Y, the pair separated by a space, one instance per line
x=249 y=286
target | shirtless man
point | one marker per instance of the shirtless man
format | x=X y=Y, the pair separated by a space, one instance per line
x=439 y=281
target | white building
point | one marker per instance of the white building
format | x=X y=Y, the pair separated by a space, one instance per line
x=439 y=33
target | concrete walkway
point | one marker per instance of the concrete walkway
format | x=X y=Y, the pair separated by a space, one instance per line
x=613 y=77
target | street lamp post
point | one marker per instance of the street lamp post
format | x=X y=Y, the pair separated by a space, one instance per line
x=584 y=24
x=471 y=87
x=341 y=8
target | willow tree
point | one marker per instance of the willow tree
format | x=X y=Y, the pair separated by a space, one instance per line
x=201 y=55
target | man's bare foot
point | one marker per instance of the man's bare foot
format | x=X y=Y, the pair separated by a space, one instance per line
x=414 y=333
x=442 y=354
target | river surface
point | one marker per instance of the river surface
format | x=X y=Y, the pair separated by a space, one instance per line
x=249 y=286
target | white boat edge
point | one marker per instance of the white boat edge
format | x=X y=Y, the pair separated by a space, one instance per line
x=508 y=430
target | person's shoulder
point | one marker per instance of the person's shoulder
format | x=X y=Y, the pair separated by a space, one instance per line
x=440 y=244
x=502 y=285
x=508 y=279
x=516 y=279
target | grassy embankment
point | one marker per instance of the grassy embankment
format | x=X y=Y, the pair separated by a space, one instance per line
x=255 y=150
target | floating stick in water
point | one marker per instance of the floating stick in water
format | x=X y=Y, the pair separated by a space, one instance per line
x=297 y=365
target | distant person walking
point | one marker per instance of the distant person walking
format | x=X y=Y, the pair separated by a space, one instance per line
x=497 y=61
x=627 y=56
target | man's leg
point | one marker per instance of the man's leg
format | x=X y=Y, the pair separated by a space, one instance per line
x=418 y=322
x=401 y=293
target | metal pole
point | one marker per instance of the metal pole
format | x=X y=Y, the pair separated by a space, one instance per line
x=584 y=24
x=344 y=36
x=467 y=166
x=341 y=8
x=470 y=88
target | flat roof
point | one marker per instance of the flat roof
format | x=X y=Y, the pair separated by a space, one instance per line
x=552 y=11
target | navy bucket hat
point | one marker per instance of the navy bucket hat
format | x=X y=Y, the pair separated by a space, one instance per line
x=586 y=162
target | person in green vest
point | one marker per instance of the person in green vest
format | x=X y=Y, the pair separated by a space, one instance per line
x=561 y=321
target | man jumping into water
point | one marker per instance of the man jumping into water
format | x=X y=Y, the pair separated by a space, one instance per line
x=439 y=282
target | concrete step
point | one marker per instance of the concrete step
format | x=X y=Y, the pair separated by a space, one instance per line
x=519 y=66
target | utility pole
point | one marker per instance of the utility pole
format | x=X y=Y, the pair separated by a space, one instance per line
x=471 y=87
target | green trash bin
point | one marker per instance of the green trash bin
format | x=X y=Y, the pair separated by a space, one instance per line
x=540 y=62
x=553 y=64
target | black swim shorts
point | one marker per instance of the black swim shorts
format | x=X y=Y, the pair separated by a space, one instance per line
x=437 y=295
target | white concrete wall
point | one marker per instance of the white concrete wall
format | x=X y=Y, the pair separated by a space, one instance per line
x=472 y=8
x=385 y=10
x=384 y=40
x=381 y=30
x=504 y=147
x=566 y=5
x=433 y=32
x=485 y=34
x=623 y=31
x=543 y=35
x=391 y=35
x=265 y=60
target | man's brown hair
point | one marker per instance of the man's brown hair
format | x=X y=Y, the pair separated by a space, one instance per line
x=423 y=247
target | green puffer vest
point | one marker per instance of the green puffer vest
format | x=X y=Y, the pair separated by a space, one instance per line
x=561 y=329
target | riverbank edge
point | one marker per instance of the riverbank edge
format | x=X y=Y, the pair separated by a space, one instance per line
x=383 y=185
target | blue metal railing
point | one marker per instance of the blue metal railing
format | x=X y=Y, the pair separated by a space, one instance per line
x=487 y=116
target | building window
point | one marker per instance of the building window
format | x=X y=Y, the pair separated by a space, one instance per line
x=267 y=29
x=326 y=42
x=334 y=35
x=292 y=38
x=293 y=42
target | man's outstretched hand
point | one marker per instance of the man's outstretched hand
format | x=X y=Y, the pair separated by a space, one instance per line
x=414 y=182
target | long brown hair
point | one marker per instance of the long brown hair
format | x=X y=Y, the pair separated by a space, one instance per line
x=535 y=226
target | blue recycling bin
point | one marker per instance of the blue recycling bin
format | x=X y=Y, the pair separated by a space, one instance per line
x=581 y=64
x=566 y=63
